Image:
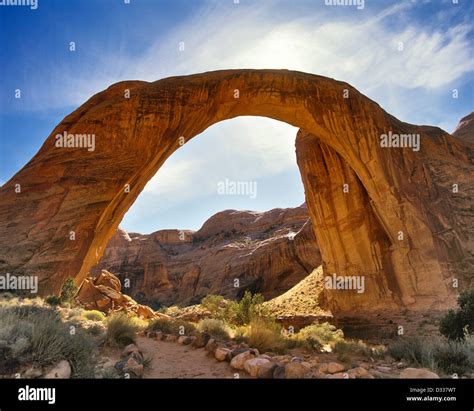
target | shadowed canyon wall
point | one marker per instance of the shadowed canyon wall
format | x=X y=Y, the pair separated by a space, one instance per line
x=266 y=252
x=58 y=213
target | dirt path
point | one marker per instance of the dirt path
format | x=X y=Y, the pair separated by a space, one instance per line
x=172 y=360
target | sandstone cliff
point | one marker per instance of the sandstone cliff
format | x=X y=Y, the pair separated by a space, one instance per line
x=266 y=252
x=465 y=129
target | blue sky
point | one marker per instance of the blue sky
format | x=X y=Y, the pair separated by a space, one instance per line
x=117 y=41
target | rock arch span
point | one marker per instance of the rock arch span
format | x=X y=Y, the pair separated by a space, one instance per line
x=71 y=200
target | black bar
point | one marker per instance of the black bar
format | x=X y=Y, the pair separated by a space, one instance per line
x=222 y=394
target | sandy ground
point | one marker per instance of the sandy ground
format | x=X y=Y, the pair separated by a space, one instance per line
x=172 y=360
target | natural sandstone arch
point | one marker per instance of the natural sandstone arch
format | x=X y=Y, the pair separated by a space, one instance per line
x=66 y=190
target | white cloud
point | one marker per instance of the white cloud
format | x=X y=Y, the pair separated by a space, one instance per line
x=363 y=52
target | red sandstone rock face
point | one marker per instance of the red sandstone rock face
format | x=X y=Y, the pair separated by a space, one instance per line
x=465 y=129
x=58 y=213
x=103 y=293
x=266 y=252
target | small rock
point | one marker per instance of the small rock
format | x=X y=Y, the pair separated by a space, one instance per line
x=185 y=340
x=418 y=373
x=266 y=370
x=159 y=335
x=359 y=372
x=253 y=365
x=279 y=372
x=295 y=369
x=129 y=349
x=383 y=368
x=120 y=364
x=222 y=354
x=211 y=345
x=239 y=360
x=296 y=359
x=237 y=351
x=170 y=338
x=132 y=366
x=33 y=372
x=335 y=367
x=201 y=340
x=61 y=370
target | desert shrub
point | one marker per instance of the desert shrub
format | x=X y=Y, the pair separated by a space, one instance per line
x=216 y=328
x=347 y=349
x=171 y=326
x=121 y=330
x=410 y=349
x=94 y=315
x=456 y=324
x=215 y=304
x=95 y=329
x=172 y=311
x=451 y=357
x=265 y=335
x=38 y=335
x=68 y=291
x=53 y=300
x=439 y=354
x=317 y=335
x=249 y=307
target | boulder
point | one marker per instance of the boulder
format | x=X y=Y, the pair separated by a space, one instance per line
x=253 y=365
x=201 y=340
x=222 y=354
x=279 y=372
x=109 y=280
x=266 y=370
x=211 y=345
x=295 y=369
x=185 y=340
x=359 y=372
x=132 y=366
x=239 y=360
x=335 y=367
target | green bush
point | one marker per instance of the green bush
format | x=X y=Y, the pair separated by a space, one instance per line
x=215 y=304
x=68 y=291
x=171 y=326
x=121 y=330
x=439 y=354
x=265 y=335
x=451 y=358
x=216 y=328
x=456 y=324
x=249 y=307
x=38 y=335
x=346 y=350
x=53 y=301
x=317 y=335
x=94 y=315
